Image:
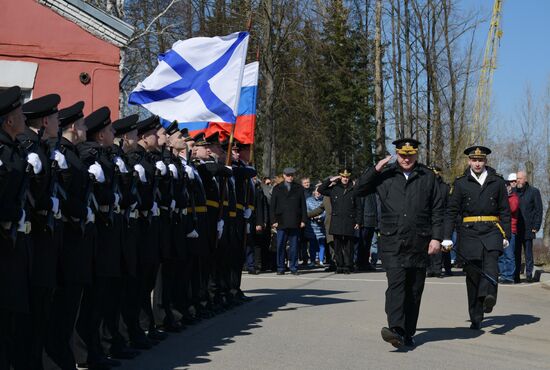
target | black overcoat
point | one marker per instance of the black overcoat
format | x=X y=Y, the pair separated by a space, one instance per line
x=411 y=213
x=288 y=207
x=469 y=198
x=344 y=207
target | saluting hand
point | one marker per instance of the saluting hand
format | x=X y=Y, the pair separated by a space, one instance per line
x=302 y=225
x=382 y=163
x=434 y=247
x=335 y=178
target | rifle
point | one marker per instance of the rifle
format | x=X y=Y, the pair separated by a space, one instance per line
x=88 y=198
x=166 y=160
x=155 y=193
x=114 y=190
x=55 y=188
x=135 y=193
x=23 y=192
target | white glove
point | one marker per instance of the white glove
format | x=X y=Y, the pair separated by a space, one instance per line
x=1 y=163
x=247 y=213
x=505 y=243
x=173 y=204
x=121 y=165
x=133 y=206
x=21 y=222
x=141 y=172
x=90 y=217
x=161 y=167
x=55 y=205
x=447 y=245
x=174 y=170
x=184 y=211
x=117 y=199
x=155 y=208
x=96 y=170
x=189 y=171
x=34 y=161
x=248 y=228
x=193 y=234
x=220 y=229
x=60 y=159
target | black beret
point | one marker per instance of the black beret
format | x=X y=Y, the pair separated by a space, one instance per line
x=41 y=107
x=200 y=140
x=98 y=120
x=71 y=114
x=10 y=99
x=185 y=133
x=477 y=151
x=172 y=128
x=148 y=124
x=126 y=124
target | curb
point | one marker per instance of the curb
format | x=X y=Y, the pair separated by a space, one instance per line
x=543 y=277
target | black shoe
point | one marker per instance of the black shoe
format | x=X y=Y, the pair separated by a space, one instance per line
x=475 y=325
x=505 y=281
x=95 y=366
x=517 y=280
x=253 y=272
x=123 y=353
x=242 y=297
x=172 y=326
x=529 y=279
x=393 y=337
x=409 y=341
x=430 y=274
x=111 y=362
x=295 y=273
x=155 y=334
x=330 y=269
x=448 y=273
x=280 y=272
x=144 y=343
x=488 y=303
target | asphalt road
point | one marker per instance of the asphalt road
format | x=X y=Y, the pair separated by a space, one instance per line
x=321 y=320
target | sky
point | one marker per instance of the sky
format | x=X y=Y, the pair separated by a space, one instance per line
x=524 y=53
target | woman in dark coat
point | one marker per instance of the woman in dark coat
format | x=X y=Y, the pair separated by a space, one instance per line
x=343 y=218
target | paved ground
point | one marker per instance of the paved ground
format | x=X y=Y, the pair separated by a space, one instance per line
x=325 y=321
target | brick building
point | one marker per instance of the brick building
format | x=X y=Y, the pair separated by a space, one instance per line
x=66 y=47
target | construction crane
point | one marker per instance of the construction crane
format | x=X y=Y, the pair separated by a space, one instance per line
x=482 y=105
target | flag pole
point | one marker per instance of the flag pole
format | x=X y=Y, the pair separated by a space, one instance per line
x=251 y=159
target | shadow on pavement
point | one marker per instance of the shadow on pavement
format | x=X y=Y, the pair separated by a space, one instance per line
x=504 y=324
x=194 y=345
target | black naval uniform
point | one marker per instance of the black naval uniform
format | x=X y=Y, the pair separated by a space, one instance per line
x=411 y=216
x=75 y=258
x=46 y=244
x=479 y=241
x=14 y=255
x=343 y=220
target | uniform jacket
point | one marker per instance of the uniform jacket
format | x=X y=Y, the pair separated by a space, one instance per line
x=530 y=211
x=344 y=207
x=288 y=207
x=469 y=198
x=411 y=213
x=367 y=211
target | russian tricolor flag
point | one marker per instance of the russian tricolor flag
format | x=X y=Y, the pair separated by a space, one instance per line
x=246 y=113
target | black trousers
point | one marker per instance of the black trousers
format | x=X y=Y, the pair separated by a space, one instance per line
x=343 y=251
x=403 y=296
x=478 y=287
x=435 y=263
x=66 y=303
x=40 y=306
x=14 y=333
x=131 y=308
x=364 y=244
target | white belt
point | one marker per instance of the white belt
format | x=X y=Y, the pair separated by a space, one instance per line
x=146 y=213
x=133 y=214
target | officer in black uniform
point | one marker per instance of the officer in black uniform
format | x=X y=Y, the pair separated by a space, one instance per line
x=98 y=301
x=46 y=235
x=411 y=228
x=75 y=258
x=480 y=199
x=14 y=229
x=344 y=221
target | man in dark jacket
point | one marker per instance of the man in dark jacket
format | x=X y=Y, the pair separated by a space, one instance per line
x=529 y=223
x=480 y=199
x=344 y=218
x=411 y=228
x=289 y=215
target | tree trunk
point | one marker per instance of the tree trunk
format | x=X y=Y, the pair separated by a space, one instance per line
x=395 y=94
x=380 y=150
x=268 y=128
x=408 y=88
x=452 y=76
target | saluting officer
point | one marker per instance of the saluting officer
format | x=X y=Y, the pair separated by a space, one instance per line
x=480 y=199
x=43 y=136
x=344 y=221
x=14 y=230
x=411 y=228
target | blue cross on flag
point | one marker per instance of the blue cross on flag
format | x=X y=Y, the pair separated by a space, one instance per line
x=198 y=80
